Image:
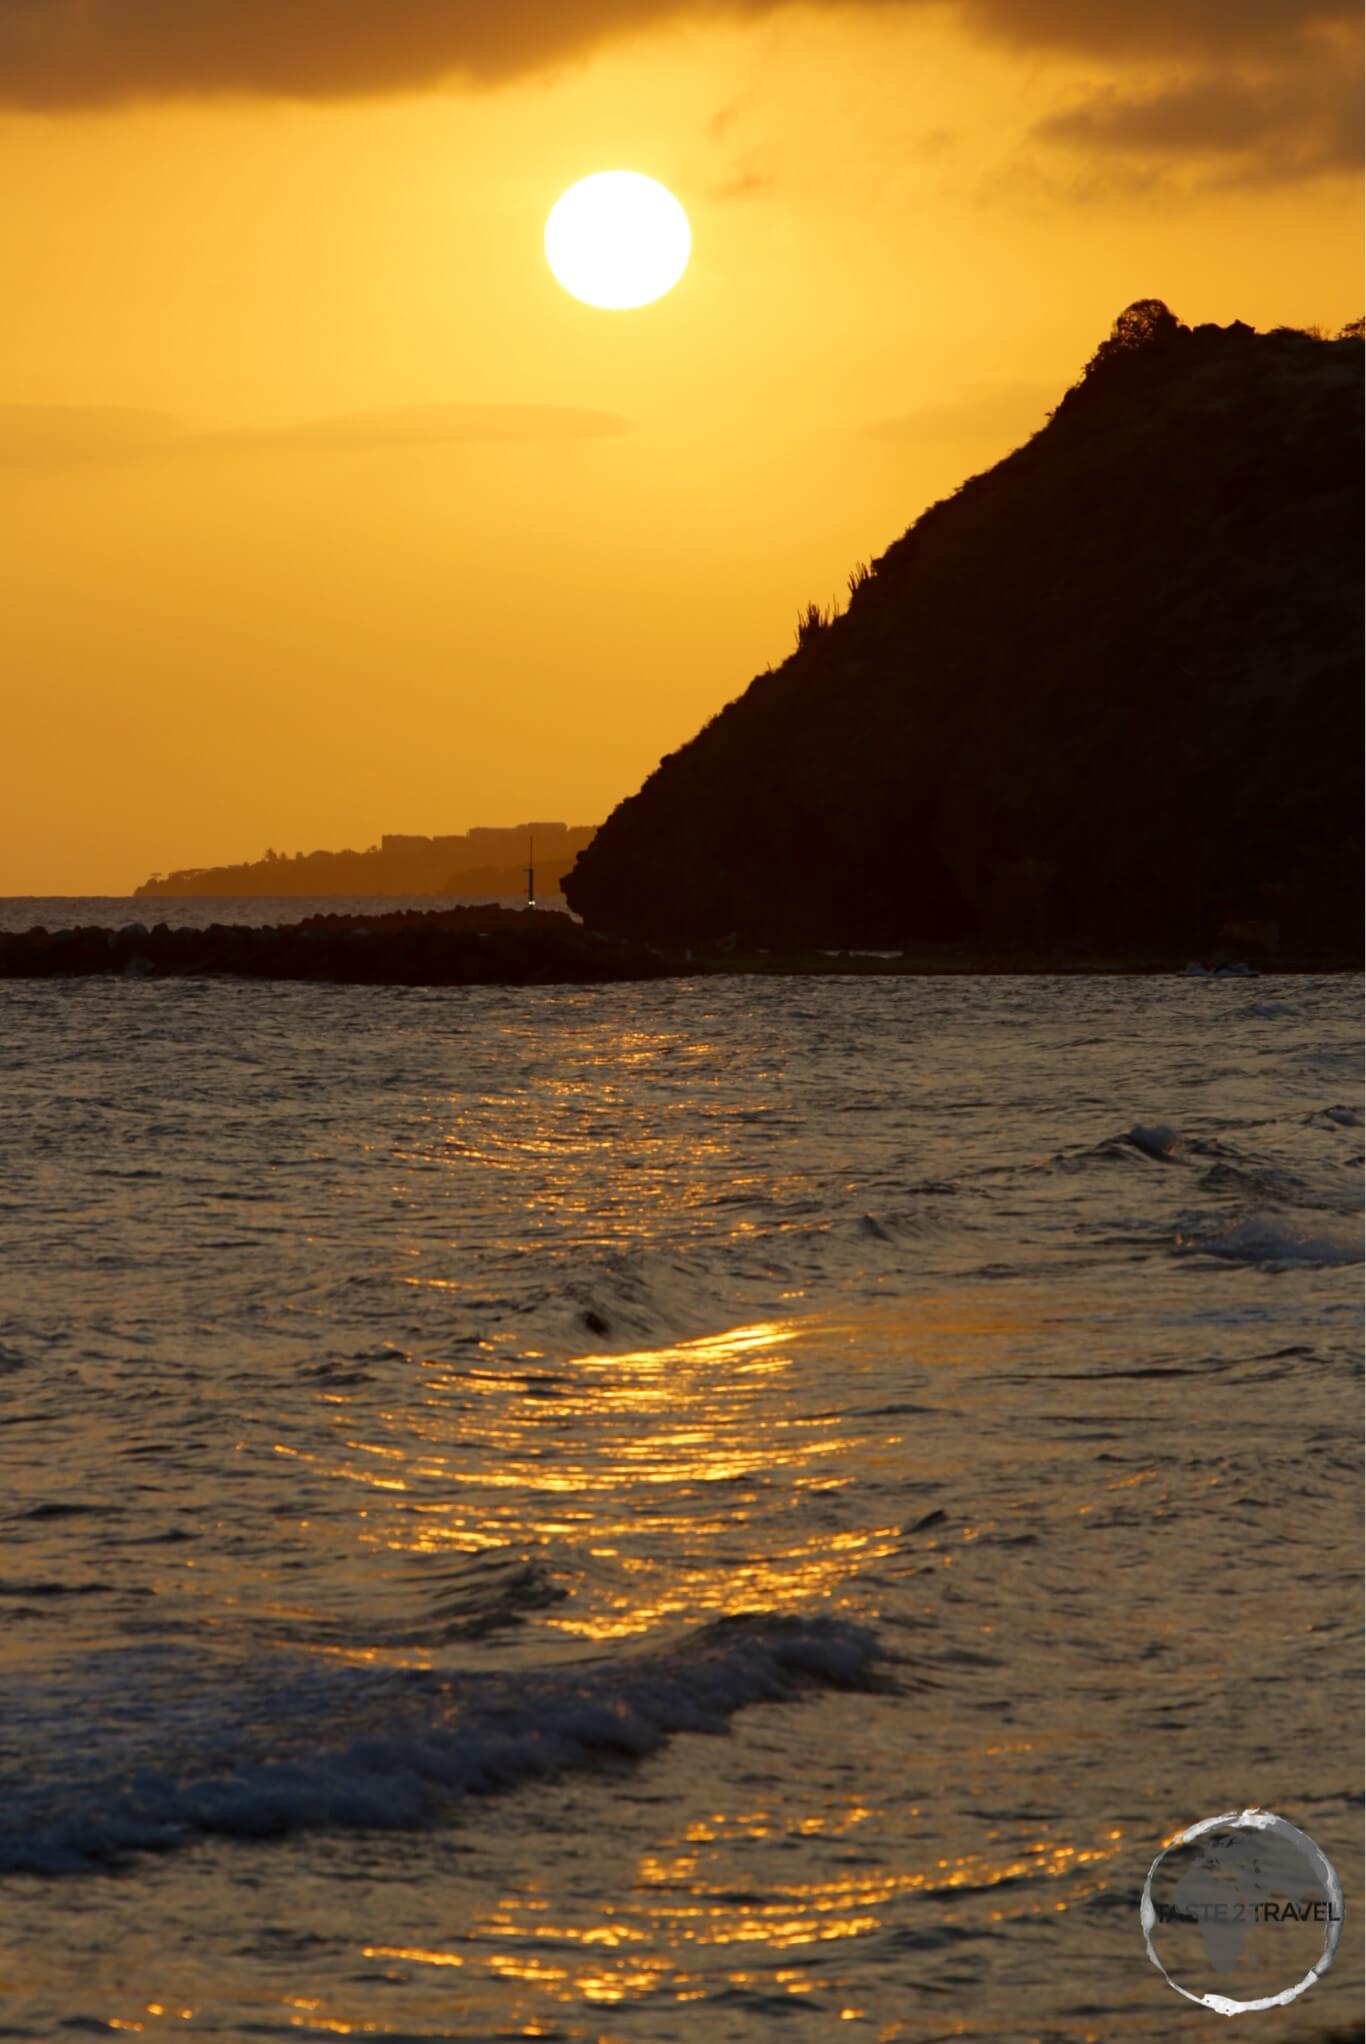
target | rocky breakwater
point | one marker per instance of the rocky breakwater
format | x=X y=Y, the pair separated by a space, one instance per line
x=454 y=947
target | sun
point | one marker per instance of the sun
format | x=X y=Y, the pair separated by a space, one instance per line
x=617 y=240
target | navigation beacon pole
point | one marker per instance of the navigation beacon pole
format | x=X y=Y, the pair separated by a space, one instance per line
x=530 y=871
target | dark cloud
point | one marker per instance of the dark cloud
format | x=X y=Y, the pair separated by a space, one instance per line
x=65 y=435
x=1295 y=124
x=1165 y=28
x=72 y=53
x=63 y=53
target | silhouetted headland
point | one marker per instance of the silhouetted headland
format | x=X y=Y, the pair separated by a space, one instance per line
x=1105 y=700
x=484 y=861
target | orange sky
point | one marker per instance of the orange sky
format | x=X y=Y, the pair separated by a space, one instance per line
x=325 y=512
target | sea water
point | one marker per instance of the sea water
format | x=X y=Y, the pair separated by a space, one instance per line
x=719 y=1509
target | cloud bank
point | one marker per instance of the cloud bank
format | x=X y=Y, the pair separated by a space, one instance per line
x=426 y=426
x=1297 y=121
x=981 y=411
x=60 y=435
x=57 y=54
x=42 y=434
x=1261 y=90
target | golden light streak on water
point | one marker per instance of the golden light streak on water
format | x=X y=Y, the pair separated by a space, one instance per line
x=414 y=1953
x=474 y=1464
x=966 y=1426
x=672 y=1909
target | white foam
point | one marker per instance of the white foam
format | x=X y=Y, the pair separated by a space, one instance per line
x=402 y=1752
x=1274 y=1239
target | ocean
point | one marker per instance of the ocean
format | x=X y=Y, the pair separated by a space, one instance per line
x=717 y=1509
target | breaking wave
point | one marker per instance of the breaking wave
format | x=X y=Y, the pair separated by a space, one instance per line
x=356 y=1749
x=1275 y=1240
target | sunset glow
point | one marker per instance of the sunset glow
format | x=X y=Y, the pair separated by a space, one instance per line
x=680 y=990
x=230 y=309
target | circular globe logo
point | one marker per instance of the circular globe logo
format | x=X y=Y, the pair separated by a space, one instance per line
x=1241 y=1912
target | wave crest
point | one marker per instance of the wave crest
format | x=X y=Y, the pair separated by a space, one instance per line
x=359 y=1750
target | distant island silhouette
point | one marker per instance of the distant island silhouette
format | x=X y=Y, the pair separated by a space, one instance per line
x=486 y=861
x=1106 y=698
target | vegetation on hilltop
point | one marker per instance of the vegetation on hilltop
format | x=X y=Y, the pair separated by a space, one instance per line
x=1106 y=695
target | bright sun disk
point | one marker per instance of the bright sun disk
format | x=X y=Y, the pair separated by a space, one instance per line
x=617 y=240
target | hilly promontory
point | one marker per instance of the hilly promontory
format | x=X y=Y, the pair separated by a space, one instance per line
x=1106 y=698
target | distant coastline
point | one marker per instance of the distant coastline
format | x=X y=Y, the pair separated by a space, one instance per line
x=488 y=861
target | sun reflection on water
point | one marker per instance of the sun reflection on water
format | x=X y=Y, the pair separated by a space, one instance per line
x=657 y=1939
x=674 y=1484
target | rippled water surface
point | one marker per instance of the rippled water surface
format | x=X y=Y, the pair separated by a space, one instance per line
x=715 y=1509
